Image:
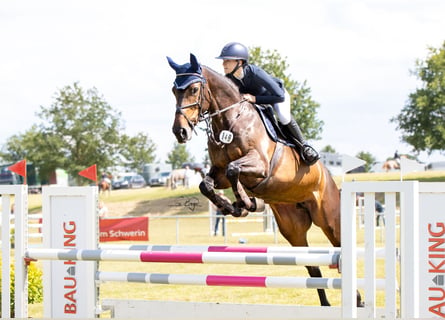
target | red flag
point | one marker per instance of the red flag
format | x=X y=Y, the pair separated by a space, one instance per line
x=89 y=173
x=19 y=168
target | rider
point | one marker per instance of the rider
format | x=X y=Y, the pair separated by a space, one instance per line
x=106 y=177
x=259 y=87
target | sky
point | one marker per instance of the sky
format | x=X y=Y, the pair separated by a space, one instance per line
x=356 y=56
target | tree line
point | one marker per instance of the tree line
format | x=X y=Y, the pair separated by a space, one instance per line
x=80 y=128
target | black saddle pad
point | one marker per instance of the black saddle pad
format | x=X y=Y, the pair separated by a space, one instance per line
x=271 y=124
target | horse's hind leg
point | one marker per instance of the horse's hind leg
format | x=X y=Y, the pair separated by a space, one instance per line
x=328 y=218
x=294 y=222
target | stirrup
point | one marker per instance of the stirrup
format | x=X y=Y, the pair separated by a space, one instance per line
x=309 y=155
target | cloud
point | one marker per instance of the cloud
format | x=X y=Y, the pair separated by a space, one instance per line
x=355 y=55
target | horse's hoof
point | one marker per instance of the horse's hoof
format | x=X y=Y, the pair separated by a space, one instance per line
x=240 y=213
x=226 y=212
x=244 y=213
x=253 y=207
x=360 y=302
x=236 y=214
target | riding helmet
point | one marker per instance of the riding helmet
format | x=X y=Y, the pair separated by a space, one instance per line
x=234 y=51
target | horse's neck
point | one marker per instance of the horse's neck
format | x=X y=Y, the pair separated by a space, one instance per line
x=225 y=99
x=223 y=92
x=229 y=112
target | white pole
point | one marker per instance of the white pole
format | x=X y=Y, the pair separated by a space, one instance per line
x=349 y=253
x=370 y=261
x=6 y=255
x=409 y=244
x=20 y=247
x=391 y=255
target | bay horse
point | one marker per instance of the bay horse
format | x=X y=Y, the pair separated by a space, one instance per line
x=246 y=159
x=391 y=164
x=105 y=184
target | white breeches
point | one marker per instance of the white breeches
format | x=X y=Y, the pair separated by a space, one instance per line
x=283 y=109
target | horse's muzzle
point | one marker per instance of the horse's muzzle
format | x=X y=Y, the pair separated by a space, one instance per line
x=181 y=134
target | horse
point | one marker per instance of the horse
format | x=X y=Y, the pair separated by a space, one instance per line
x=184 y=175
x=176 y=176
x=243 y=157
x=105 y=185
x=390 y=164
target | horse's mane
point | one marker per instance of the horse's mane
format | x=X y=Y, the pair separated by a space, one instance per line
x=222 y=78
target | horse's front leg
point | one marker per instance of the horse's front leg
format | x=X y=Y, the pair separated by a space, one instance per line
x=207 y=188
x=251 y=166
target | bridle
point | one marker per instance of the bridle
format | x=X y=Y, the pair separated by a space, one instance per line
x=179 y=109
x=202 y=115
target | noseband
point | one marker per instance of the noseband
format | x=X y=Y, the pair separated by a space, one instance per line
x=179 y=109
x=202 y=115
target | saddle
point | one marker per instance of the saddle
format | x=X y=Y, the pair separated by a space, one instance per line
x=273 y=127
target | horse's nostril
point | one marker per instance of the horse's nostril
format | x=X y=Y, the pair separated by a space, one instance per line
x=177 y=131
x=181 y=134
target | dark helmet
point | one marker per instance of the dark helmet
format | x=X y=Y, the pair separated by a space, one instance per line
x=234 y=51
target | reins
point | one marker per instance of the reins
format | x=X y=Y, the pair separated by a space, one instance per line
x=203 y=116
x=218 y=112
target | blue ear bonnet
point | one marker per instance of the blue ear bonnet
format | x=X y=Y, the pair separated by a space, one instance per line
x=187 y=73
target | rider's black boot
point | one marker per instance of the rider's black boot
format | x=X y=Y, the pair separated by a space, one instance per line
x=307 y=153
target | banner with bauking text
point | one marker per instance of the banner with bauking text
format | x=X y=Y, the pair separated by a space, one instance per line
x=432 y=250
x=121 y=229
x=70 y=222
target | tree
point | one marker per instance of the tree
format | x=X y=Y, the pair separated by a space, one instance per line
x=41 y=149
x=137 y=150
x=422 y=119
x=179 y=155
x=368 y=157
x=303 y=108
x=85 y=127
x=328 y=149
x=79 y=129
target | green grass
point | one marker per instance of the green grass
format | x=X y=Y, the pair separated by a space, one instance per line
x=426 y=176
x=119 y=196
x=147 y=194
x=196 y=231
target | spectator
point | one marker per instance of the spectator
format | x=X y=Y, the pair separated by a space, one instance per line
x=379 y=209
x=187 y=174
x=103 y=210
x=219 y=215
x=380 y=216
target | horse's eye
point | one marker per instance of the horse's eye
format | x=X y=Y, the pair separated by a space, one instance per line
x=195 y=90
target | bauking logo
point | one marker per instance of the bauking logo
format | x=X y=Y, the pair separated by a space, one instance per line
x=70 y=282
x=436 y=261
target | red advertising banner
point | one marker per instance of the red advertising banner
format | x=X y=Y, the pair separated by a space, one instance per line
x=120 y=229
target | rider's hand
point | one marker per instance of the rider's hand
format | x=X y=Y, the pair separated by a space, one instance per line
x=249 y=97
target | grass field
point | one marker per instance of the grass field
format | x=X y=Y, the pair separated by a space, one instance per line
x=196 y=231
x=160 y=234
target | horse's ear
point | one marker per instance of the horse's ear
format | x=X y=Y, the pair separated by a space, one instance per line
x=194 y=63
x=172 y=64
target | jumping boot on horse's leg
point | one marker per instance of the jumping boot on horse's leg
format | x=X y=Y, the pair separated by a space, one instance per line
x=307 y=152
